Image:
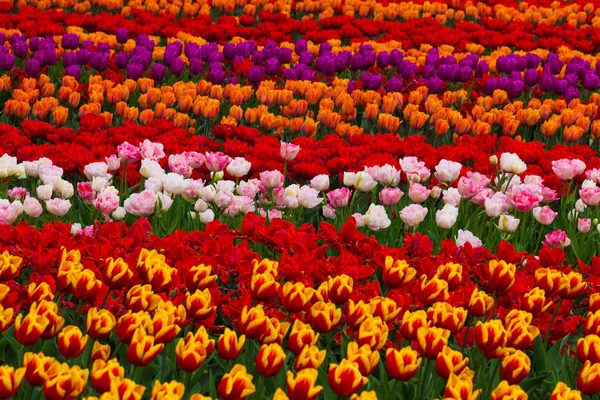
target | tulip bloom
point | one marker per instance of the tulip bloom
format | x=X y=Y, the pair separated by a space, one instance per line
x=236 y=384
x=366 y=358
x=324 y=316
x=67 y=385
x=30 y=328
x=402 y=364
x=190 y=353
x=229 y=345
x=295 y=296
x=490 y=335
x=71 y=342
x=104 y=373
x=339 y=288
x=431 y=341
x=396 y=272
x=450 y=362
x=345 y=378
x=142 y=349
x=373 y=332
x=10 y=380
x=515 y=367
x=588 y=348
x=270 y=359
x=99 y=324
x=302 y=335
x=304 y=385
x=506 y=391
x=563 y=392
x=309 y=357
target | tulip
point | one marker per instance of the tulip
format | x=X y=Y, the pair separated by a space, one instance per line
x=515 y=367
x=339 y=288
x=229 y=345
x=10 y=380
x=295 y=296
x=366 y=358
x=384 y=307
x=501 y=275
x=450 y=362
x=345 y=378
x=309 y=357
x=142 y=349
x=198 y=304
x=431 y=341
x=105 y=373
x=396 y=272
x=324 y=316
x=490 y=335
x=460 y=387
x=117 y=273
x=30 y=328
x=99 y=324
x=170 y=390
x=433 y=290
x=236 y=384
x=373 y=332
x=263 y=287
x=304 y=385
x=563 y=392
x=100 y=351
x=67 y=385
x=71 y=342
x=402 y=364
x=302 y=335
x=506 y=391
x=270 y=359
x=588 y=348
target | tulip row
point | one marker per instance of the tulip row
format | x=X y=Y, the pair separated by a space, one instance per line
x=454 y=23
x=488 y=206
x=413 y=102
x=117 y=317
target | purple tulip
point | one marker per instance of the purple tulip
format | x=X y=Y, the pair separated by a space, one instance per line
x=74 y=71
x=571 y=79
x=228 y=51
x=469 y=61
x=383 y=59
x=121 y=60
x=351 y=87
x=547 y=82
x=394 y=85
x=215 y=58
x=532 y=60
x=325 y=65
x=2 y=38
x=284 y=55
x=196 y=66
x=591 y=81
x=490 y=85
x=257 y=57
x=256 y=74
x=290 y=74
x=158 y=72
x=514 y=88
x=570 y=94
x=99 y=61
x=69 y=59
x=428 y=71
x=407 y=69
x=33 y=67
x=395 y=57
x=272 y=66
x=103 y=47
x=70 y=41
x=324 y=48
x=481 y=69
x=176 y=66
x=340 y=64
x=306 y=58
x=445 y=71
x=86 y=44
x=14 y=38
x=432 y=57
x=135 y=71
x=216 y=76
x=356 y=62
x=83 y=56
x=20 y=49
x=122 y=35
x=34 y=43
x=560 y=86
x=531 y=77
x=371 y=81
x=301 y=45
x=307 y=75
x=233 y=80
x=434 y=85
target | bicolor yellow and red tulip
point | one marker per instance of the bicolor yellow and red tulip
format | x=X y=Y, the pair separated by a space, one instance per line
x=345 y=378
x=303 y=385
x=515 y=367
x=270 y=359
x=230 y=345
x=402 y=364
x=236 y=384
x=142 y=349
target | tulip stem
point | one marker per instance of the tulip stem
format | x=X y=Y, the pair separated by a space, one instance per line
x=424 y=378
x=392 y=392
x=547 y=337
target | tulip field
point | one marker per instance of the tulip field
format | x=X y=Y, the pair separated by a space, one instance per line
x=299 y=199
